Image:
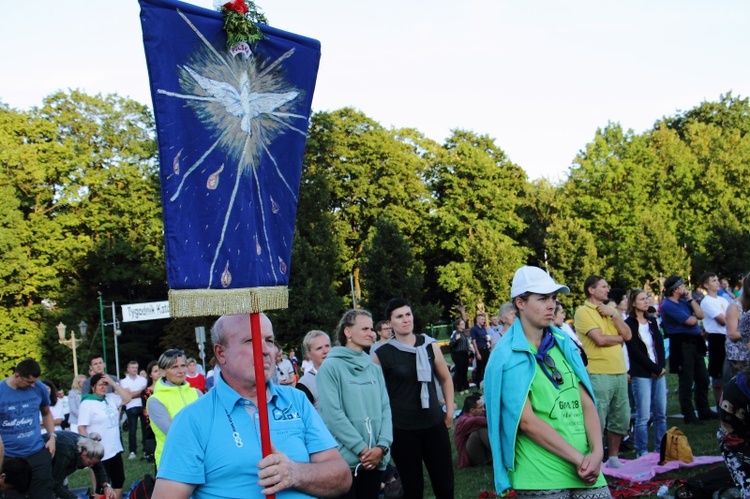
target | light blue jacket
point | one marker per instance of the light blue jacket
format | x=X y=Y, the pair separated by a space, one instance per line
x=354 y=403
x=507 y=381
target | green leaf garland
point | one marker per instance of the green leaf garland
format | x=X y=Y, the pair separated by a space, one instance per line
x=240 y=18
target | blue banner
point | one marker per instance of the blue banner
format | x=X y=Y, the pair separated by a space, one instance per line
x=231 y=133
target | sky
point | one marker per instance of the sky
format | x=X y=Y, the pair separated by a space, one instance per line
x=539 y=77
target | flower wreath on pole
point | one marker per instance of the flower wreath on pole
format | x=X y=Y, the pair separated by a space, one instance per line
x=240 y=18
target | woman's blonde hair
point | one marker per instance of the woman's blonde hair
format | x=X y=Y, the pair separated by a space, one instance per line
x=77 y=381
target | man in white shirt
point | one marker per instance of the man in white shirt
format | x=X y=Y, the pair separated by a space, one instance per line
x=715 y=309
x=134 y=409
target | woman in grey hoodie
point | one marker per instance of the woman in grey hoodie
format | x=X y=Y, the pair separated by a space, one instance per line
x=354 y=404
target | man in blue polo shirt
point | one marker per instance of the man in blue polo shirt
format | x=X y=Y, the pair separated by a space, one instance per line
x=213 y=446
x=680 y=316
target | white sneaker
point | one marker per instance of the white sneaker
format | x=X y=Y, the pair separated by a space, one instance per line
x=132 y=455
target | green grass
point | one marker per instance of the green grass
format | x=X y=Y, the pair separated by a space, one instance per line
x=702 y=438
x=471 y=481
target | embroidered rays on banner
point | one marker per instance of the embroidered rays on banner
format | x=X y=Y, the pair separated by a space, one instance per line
x=231 y=132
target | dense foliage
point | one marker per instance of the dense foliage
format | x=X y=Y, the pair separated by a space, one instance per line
x=382 y=212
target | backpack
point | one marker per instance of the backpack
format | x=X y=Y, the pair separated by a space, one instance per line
x=142 y=489
x=675 y=447
x=708 y=485
x=393 y=489
x=705 y=484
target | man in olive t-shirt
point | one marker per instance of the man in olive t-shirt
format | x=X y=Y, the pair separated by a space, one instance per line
x=603 y=332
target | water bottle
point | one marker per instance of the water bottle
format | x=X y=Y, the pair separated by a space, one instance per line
x=663 y=490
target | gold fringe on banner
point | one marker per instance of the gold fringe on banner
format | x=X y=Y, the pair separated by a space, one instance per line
x=202 y=302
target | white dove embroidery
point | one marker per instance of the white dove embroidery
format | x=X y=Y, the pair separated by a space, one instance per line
x=243 y=103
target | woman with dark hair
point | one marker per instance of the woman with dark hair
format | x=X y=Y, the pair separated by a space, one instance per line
x=738 y=332
x=149 y=439
x=54 y=406
x=647 y=370
x=734 y=429
x=411 y=363
x=100 y=413
x=459 y=345
x=354 y=404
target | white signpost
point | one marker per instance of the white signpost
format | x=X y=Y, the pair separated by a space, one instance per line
x=145 y=311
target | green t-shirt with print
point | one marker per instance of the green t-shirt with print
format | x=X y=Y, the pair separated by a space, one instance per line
x=535 y=467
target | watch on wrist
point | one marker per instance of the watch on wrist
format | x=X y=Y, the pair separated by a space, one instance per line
x=384 y=449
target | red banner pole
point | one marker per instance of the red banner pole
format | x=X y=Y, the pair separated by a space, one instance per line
x=260 y=383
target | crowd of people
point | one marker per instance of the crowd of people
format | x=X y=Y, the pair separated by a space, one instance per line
x=616 y=357
x=48 y=435
x=550 y=407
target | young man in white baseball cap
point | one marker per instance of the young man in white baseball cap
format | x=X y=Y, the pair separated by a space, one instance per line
x=544 y=430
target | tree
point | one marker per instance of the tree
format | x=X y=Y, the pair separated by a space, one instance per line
x=478 y=193
x=78 y=176
x=12 y=268
x=710 y=187
x=317 y=263
x=543 y=204
x=111 y=189
x=730 y=113
x=390 y=270
x=368 y=172
x=615 y=181
x=573 y=257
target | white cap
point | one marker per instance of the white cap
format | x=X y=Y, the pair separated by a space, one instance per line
x=534 y=280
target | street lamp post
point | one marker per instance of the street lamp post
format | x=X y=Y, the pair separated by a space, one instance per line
x=117 y=332
x=200 y=339
x=101 y=322
x=73 y=342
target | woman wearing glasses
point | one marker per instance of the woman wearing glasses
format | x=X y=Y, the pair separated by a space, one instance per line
x=171 y=394
x=646 y=353
x=100 y=413
x=354 y=404
x=544 y=431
